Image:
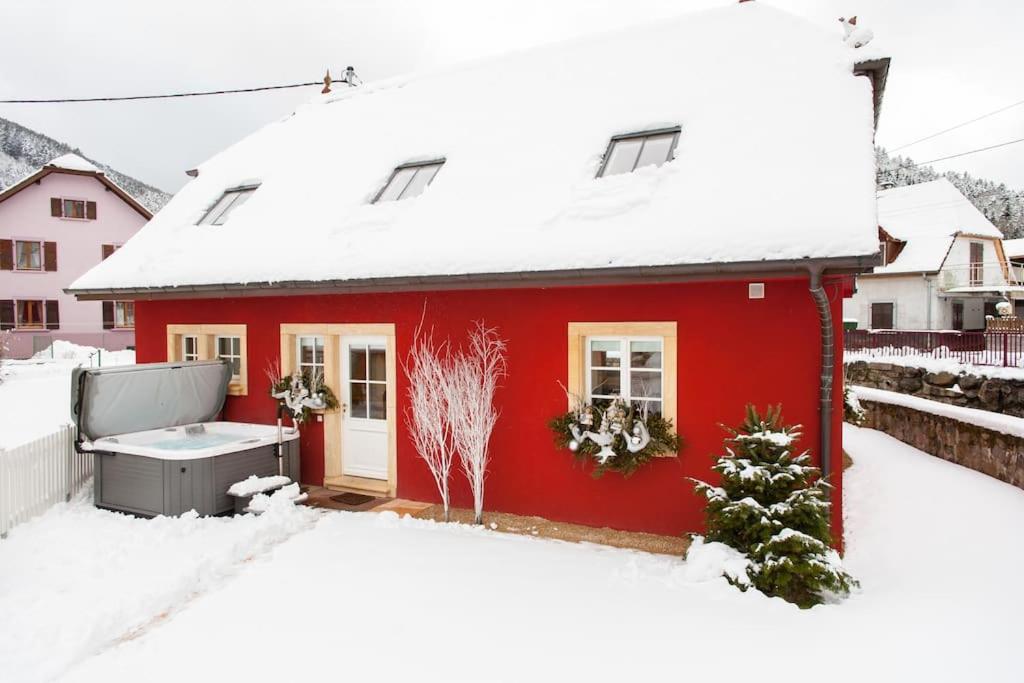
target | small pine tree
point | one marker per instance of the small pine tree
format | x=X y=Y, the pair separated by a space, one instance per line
x=772 y=506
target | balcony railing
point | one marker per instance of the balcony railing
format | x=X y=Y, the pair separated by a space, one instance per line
x=985 y=275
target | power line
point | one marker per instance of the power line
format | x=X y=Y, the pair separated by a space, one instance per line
x=973 y=151
x=203 y=93
x=959 y=125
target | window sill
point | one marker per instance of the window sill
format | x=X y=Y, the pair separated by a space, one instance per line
x=30 y=329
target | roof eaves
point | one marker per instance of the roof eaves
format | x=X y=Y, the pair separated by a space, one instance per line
x=878 y=71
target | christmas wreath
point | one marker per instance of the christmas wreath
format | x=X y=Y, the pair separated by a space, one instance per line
x=623 y=439
x=316 y=389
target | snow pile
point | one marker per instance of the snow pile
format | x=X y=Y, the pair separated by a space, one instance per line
x=523 y=136
x=285 y=497
x=997 y=422
x=73 y=162
x=89 y=355
x=254 y=485
x=77 y=579
x=937 y=361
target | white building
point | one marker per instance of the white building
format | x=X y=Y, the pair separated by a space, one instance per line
x=945 y=266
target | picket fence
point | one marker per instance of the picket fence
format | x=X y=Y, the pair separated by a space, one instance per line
x=39 y=474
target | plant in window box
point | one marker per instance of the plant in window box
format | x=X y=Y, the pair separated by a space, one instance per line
x=310 y=383
x=625 y=438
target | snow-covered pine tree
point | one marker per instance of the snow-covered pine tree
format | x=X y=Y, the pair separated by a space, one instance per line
x=772 y=506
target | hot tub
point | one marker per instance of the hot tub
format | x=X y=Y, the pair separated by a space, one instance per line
x=176 y=458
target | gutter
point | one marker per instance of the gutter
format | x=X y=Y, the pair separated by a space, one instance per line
x=500 y=280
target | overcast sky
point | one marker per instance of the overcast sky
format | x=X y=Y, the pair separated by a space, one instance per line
x=952 y=60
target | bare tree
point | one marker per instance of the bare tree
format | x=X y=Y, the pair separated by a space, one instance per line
x=473 y=379
x=428 y=369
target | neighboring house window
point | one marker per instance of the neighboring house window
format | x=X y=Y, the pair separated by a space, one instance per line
x=210 y=342
x=107 y=249
x=883 y=315
x=29 y=255
x=958 y=315
x=977 y=264
x=29 y=314
x=124 y=314
x=219 y=213
x=80 y=209
x=630 y=367
x=409 y=180
x=626 y=153
x=311 y=355
x=189 y=347
x=634 y=360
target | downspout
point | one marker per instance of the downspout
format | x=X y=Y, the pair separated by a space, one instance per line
x=827 y=368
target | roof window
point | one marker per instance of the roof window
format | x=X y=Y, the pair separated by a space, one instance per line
x=409 y=180
x=626 y=153
x=228 y=202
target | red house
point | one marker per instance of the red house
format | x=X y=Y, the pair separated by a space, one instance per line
x=702 y=187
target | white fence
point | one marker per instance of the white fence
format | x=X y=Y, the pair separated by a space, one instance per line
x=38 y=474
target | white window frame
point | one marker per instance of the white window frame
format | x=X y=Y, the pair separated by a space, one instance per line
x=315 y=365
x=213 y=216
x=185 y=355
x=123 y=306
x=17 y=253
x=230 y=357
x=625 y=371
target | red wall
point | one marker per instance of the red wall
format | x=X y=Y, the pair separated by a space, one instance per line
x=732 y=350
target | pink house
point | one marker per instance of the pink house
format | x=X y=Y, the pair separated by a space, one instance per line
x=54 y=226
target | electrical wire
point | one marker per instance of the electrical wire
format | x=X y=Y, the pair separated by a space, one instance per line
x=959 y=125
x=973 y=151
x=68 y=100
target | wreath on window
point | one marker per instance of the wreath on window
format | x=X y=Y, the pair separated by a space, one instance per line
x=313 y=380
x=615 y=435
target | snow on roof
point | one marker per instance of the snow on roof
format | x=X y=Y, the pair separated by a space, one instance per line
x=1014 y=248
x=775 y=161
x=927 y=216
x=73 y=162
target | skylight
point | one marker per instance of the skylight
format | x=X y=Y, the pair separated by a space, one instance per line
x=228 y=202
x=626 y=153
x=409 y=180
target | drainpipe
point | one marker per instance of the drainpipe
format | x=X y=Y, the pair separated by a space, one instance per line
x=827 y=368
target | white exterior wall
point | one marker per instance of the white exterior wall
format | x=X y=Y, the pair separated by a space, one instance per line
x=956 y=269
x=910 y=293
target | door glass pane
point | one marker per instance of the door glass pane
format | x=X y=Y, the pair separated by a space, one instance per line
x=377 y=363
x=397 y=185
x=645 y=354
x=357 y=399
x=378 y=401
x=623 y=155
x=357 y=362
x=605 y=382
x=645 y=384
x=605 y=354
x=656 y=150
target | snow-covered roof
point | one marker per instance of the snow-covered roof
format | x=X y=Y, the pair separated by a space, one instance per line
x=775 y=162
x=928 y=216
x=1014 y=248
x=73 y=162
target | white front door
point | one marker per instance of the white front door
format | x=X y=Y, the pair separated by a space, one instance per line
x=364 y=422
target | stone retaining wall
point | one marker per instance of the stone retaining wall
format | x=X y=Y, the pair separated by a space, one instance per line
x=971 y=391
x=993 y=453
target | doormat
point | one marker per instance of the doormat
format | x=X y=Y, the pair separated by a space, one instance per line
x=353 y=499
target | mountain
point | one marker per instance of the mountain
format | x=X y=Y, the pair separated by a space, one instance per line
x=1001 y=205
x=23 y=151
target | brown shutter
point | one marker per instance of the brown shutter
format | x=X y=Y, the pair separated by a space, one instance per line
x=52 y=314
x=6 y=314
x=107 y=250
x=6 y=254
x=90 y=210
x=49 y=256
x=108 y=315
x=55 y=207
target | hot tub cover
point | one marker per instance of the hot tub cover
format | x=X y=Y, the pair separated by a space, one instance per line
x=134 y=398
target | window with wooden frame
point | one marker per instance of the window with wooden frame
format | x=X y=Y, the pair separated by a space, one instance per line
x=626 y=153
x=634 y=360
x=409 y=180
x=107 y=249
x=124 y=314
x=28 y=255
x=77 y=209
x=221 y=211
x=209 y=342
x=29 y=314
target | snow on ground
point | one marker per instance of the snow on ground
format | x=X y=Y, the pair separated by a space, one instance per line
x=77 y=579
x=936 y=547
x=35 y=394
x=940 y=360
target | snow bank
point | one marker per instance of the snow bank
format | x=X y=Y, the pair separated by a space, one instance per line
x=65 y=350
x=1006 y=424
x=77 y=579
x=765 y=100
x=935 y=363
